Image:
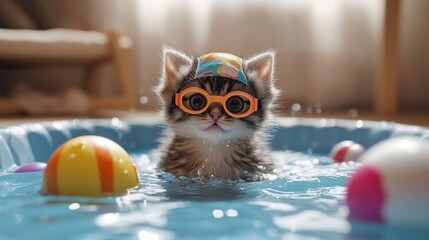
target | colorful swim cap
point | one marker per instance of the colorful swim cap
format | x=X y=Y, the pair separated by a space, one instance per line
x=221 y=64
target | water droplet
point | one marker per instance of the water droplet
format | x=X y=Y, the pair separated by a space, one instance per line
x=72 y=156
x=318 y=108
x=217 y=213
x=121 y=160
x=227 y=145
x=74 y=206
x=359 y=123
x=115 y=121
x=231 y=213
x=83 y=147
x=125 y=171
x=144 y=99
x=89 y=208
x=295 y=109
x=353 y=113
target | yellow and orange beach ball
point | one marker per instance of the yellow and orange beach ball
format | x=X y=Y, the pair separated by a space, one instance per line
x=89 y=166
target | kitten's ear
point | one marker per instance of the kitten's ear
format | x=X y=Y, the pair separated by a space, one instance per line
x=261 y=67
x=175 y=67
x=260 y=71
x=175 y=64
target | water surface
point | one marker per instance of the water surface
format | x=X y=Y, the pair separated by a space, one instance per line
x=305 y=200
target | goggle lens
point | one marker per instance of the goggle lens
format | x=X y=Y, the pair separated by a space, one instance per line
x=236 y=104
x=197 y=101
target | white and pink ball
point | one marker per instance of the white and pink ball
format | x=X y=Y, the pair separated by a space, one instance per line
x=392 y=185
x=346 y=151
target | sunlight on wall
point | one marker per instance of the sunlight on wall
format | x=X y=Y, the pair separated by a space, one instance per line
x=325 y=24
x=153 y=14
x=325 y=16
x=201 y=20
x=322 y=46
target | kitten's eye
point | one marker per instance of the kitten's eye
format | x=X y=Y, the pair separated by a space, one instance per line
x=197 y=101
x=235 y=104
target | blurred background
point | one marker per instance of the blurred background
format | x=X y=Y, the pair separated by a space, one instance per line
x=335 y=58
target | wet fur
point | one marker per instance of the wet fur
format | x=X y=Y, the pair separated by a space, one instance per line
x=239 y=152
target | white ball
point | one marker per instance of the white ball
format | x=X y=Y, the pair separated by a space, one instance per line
x=346 y=151
x=392 y=185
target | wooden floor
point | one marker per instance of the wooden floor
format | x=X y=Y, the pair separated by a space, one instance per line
x=413 y=119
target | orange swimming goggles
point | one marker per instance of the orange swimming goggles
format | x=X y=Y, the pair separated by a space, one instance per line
x=237 y=104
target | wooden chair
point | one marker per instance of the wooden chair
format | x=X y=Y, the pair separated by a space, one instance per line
x=93 y=49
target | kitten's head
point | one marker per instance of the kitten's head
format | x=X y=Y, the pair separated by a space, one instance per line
x=215 y=124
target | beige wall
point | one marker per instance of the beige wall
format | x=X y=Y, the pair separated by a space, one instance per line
x=325 y=53
x=327 y=50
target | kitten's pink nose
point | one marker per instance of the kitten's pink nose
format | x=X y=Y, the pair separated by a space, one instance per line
x=215 y=113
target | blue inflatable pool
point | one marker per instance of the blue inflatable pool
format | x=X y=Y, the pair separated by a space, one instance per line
x=305 y=200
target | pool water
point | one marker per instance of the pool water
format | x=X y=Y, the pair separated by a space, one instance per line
x=304 y=200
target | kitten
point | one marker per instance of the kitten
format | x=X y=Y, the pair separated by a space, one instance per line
x=212 y=144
